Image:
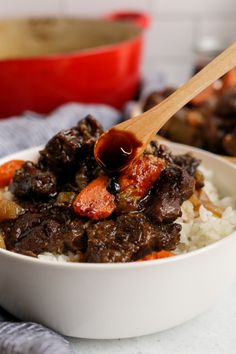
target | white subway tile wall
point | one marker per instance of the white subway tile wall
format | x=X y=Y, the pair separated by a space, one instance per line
x=20 y=8
x=101 y=7
x=201 y=7
x=174 y=30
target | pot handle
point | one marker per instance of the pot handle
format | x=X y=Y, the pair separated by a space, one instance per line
x=141 y=19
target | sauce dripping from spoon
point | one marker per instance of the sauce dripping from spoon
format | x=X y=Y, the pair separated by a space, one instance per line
x=116 y=149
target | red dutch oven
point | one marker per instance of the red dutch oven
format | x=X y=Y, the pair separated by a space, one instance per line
x=47 y=62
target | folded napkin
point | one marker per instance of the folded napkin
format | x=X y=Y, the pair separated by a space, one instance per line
x=20 y=133
x=29 y=338
x=17 y=134
x=33 y=129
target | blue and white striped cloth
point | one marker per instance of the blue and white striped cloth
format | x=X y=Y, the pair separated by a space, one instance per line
x=29 y=338
x=19 y=133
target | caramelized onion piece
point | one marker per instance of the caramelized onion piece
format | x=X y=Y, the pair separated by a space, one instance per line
x=9 y=210
x=2 y=242
x=65 y=198
x=201 y=198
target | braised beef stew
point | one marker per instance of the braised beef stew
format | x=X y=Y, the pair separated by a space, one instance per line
x=67 y=204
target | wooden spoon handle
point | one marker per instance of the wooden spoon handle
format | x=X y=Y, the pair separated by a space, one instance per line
x=149 y=123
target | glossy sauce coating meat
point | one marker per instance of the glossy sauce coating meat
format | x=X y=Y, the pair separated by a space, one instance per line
x=66 y=204
x=174 y=187
x=128 y=238
x=31 y=181
x=55 y=230
x=67 y=148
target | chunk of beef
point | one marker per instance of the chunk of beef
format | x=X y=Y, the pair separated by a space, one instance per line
x=127 y=238
x=35 y=206
x=56 y=231
x=75 y=238
x=175 y=186
x=88 y=170
x=67 y=148
x=227 y=104
x=89 y=129
x=188 y=162
x=61 y=151
x=29 y=181
x=159 y=150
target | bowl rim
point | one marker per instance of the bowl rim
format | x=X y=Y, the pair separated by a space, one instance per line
x=77 y=53
x=89 y=52
x=116 y=266
x=127 y=265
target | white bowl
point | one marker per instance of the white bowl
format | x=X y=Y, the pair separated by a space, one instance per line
x=121 y=300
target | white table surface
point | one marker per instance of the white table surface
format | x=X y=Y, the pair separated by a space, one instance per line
x=214 y=332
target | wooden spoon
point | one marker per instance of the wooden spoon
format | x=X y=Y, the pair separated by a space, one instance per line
x=117 y=147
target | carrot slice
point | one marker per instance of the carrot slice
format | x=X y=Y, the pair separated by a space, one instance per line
x=94 y=201
x=7 y=171
x=229 y=80
x=157 y=255
x=142 y=174
x=136 y=181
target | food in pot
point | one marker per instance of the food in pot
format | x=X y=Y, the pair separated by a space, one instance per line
x=66 y=207
x=208 y=121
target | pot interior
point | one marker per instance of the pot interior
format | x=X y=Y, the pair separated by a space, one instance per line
x=24 y=38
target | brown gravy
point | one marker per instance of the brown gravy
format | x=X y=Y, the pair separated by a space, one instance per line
x=116 y=149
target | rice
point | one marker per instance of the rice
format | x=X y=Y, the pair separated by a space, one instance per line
x=47 y=256
x=197 y=231
x=59 y=258
x=206 y=228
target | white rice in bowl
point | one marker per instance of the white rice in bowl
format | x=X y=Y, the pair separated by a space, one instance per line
x=47 y=256
x=59 y=258
x=206 y=228
x=197 y=231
